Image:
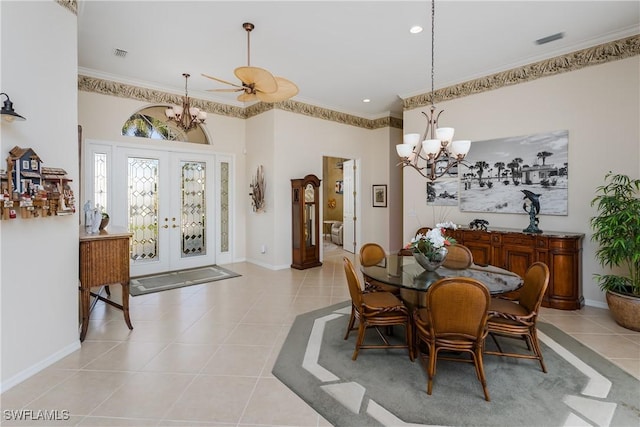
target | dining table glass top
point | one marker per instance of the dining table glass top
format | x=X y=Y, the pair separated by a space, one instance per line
x=405 y=272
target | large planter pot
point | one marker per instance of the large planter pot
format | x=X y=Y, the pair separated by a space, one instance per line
x=625 y=310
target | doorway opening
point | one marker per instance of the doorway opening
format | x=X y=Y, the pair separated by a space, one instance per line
x=339 y=195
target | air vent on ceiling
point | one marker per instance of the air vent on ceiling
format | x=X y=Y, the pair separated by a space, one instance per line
x=119 y=52
x=551 y=38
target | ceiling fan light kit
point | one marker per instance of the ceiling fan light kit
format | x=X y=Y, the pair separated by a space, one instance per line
x=257 y=84
x=432 y=157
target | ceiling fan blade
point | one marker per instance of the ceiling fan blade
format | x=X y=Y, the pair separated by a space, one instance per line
x=246 y=97
x=225 y=90
x=261 y=78
x=286 y=90
x=220 y=80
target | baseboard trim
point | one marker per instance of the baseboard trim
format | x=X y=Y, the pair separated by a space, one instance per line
x=34 y=369
x=594 y=303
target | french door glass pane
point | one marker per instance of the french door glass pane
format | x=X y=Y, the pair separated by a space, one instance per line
x=224 y=207
x=193 y=185
x=100 y=180
x=143 y=208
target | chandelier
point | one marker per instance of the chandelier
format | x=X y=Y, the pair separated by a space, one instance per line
x=432 y=157
x=186 y=116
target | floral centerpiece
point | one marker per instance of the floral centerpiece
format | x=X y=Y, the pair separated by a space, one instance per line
x=430 y=249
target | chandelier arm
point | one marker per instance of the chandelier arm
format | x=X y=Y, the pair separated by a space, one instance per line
x=426 y=131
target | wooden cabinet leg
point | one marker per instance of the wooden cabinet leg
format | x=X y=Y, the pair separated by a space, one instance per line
x=84 y=301
x=125 y=304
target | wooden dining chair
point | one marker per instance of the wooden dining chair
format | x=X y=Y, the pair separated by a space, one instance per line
x=454 y=321
x=374 y=309
x=517 y=319
x=373 y=254
x=458 y=257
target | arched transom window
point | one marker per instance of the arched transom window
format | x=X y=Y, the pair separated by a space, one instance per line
x=151 y=122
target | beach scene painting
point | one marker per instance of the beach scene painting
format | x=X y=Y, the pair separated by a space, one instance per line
x=495 y=172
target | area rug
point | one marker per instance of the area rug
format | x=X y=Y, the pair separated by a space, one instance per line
x=178 y=279
x=383 y=387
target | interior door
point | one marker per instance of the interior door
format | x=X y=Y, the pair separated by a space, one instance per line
x=166 y=199
x=349 y=209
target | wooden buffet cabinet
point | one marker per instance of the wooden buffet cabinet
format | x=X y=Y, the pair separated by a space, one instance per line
x=515 y=251
x=104 y=260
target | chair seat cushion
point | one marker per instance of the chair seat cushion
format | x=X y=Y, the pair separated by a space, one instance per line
x=381 y=299
x=505 y=306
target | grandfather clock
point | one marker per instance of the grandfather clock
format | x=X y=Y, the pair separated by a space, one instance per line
x=305 y=215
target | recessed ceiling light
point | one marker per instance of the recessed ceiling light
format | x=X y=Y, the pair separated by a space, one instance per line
x=366 y=100
x=415 y=29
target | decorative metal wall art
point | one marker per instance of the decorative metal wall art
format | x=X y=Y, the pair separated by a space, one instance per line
x=257 y=191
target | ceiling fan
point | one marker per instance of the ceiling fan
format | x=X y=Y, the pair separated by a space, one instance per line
x=257 y=83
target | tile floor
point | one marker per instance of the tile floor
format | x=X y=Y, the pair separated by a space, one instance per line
x=202 y=355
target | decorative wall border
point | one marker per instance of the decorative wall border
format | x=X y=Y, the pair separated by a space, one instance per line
x=122 y=90
x=71 y=5
x=607 y=52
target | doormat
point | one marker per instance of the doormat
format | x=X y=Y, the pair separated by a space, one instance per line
x=384 y=388
x=177 y=279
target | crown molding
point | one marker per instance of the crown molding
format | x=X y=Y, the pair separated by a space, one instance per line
x=71 y=5
x=123 y=90
x=606 y=52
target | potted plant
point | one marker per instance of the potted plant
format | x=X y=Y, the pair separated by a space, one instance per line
x=616 y=229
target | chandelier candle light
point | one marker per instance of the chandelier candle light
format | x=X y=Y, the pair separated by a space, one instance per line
x=432 y=157
x=186 y=116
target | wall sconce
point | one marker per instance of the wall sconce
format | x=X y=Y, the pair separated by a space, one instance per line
x=8 y=113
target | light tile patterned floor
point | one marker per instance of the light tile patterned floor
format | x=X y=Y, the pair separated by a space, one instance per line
x=202 y=355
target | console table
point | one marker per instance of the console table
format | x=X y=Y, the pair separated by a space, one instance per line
x=104 y=261
x=515 y=251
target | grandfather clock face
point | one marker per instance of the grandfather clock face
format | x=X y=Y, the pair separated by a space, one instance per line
x=309 y=194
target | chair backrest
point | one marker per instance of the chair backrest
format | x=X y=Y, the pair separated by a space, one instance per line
x=458 y=307
x=536 y=280
x=459 y=257
x=371 y=254
x=422 y=230
x=355 y=290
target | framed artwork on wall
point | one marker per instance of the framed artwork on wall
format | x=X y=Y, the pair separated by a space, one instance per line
x=443 y=192
x=379 y=195
x=339 y=187
x=495 y=173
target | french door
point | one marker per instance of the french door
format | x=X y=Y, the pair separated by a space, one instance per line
x=177 y=204
x=167 y=198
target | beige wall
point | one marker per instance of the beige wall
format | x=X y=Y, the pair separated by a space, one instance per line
x=598 y=105
x=39 y=256
x=301 y=142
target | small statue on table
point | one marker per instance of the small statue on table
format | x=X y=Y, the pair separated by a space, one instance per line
x=533 y=208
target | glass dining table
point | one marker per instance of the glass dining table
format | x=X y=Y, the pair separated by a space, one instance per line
x=405 y=273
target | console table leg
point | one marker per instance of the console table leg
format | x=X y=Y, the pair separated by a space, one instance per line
x=85 y=296
x=125 y=304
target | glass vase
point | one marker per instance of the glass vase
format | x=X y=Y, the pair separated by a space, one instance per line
x=434 y=261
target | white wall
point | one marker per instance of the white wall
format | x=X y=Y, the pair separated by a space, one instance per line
x=598 y=105
x=39 y=256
